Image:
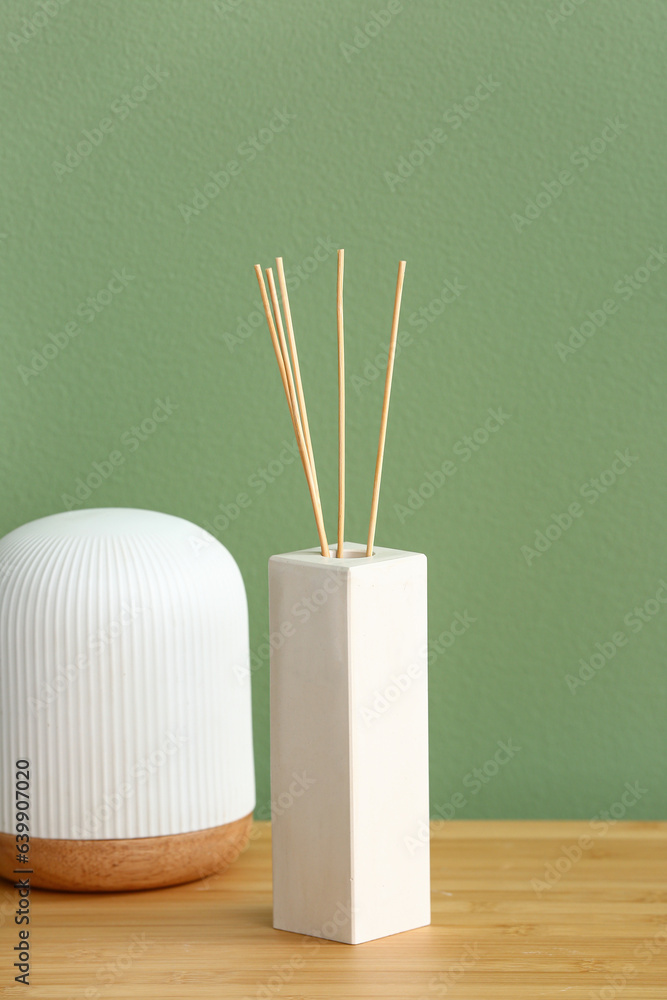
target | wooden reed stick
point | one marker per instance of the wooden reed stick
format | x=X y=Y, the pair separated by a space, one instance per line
x=294 y=411
x=385 y=409
x=284 y=354
x=297 y=369
x=274 y=340
x=341 y=407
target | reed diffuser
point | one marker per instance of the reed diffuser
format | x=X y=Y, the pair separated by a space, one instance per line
x=349 y=712
x=290 y=374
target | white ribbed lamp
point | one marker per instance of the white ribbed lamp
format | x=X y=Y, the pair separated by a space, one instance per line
x=125 y=683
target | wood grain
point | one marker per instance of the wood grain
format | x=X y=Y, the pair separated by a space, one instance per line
x=493 y=936
x=120 y=865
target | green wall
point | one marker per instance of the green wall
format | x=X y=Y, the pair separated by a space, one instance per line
x=512 y=152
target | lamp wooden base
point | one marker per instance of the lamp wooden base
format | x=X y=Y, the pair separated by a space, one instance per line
x=124 y=865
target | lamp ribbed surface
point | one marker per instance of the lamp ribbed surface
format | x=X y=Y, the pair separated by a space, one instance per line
x=124 y=676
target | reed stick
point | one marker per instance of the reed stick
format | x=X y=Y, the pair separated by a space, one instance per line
x=295 y=363
x=385 y=409
x=283 y=354
x=274 y=340
x=341 y=407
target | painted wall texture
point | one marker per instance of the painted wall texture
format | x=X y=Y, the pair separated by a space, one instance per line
x=513 y=153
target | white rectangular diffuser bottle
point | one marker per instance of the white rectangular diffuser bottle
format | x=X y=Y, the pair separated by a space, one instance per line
x=349 y=743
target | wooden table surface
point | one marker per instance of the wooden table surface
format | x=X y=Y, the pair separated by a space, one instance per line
x=516 y=914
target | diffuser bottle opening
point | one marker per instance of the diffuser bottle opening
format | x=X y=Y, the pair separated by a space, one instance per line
x=349 y=553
